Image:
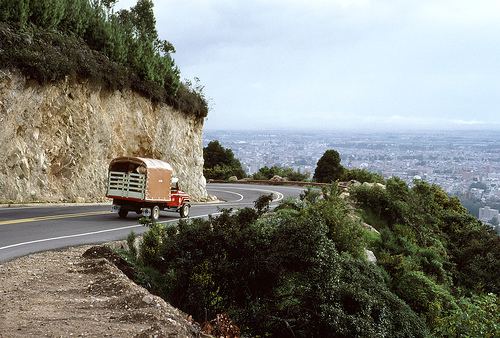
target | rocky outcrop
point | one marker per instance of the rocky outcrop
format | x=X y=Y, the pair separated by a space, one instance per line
x=58 y=139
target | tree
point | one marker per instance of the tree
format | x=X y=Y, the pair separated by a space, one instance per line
x=47 y=13
x=328 y=168
x=15 y=12
x=121 y=49
x=220 y=163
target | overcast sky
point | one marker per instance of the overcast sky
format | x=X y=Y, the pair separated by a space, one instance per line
x=339 y=64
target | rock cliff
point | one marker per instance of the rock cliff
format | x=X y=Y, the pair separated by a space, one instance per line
x=57 y=139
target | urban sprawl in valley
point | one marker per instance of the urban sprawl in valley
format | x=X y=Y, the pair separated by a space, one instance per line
x=463 y=163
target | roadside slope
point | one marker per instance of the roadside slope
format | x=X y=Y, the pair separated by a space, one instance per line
x=60 y=293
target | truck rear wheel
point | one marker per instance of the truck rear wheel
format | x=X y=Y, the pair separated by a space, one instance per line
x=122 y=213
x=184 y=212
x=155 y=213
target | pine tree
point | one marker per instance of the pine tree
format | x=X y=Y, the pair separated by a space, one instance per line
x=328 y=168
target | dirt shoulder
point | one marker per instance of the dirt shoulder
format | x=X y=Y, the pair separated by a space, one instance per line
x=62 y=294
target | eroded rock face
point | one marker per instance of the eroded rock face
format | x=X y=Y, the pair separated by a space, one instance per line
x=57 y=140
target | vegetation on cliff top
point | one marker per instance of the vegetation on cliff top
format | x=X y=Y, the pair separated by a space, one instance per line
x=50 y=40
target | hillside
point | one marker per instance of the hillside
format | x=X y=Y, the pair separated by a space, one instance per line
x=81 y=84
x=296 y=270
x=58 y=139
x=302 y=269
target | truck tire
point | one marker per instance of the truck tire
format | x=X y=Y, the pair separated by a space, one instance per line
x=184 y=212
x=155 y=213
x=123 y=213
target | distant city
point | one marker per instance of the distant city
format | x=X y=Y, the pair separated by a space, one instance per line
x=463 y=163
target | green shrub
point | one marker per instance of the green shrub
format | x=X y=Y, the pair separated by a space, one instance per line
x=219 y=172
x=374 y=198
x=478 y=316
x=425 y=297
x=310 y=195
x=132 y=250
x=474 y=250
x=365 y=307
x=346 y=233
x=263 y=203
x=296 y=176
x=361 y=175
x=151 y=246
x=266 y=173
x=277 y=276
x=290 y=203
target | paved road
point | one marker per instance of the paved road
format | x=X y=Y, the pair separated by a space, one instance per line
x=24 y=230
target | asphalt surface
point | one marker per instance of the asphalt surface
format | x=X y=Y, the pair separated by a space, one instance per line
x=29 y=229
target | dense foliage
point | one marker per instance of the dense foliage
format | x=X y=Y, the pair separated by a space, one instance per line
x=431 y=250
x=361 y=175
x=220 y=163
x=266 y=173
x=478 y=316
x=50 y=40
x=301 y=270
x=297 y=272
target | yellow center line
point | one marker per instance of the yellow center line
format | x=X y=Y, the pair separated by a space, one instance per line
x=45 y=218
x=82 y=214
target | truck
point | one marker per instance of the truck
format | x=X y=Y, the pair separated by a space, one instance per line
x=144 y=186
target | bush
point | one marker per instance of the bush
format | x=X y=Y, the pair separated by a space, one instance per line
x=266 y=173
x=310 y=195
x=150 y=245
x=290 y=203
x=263 y=203
x=361 y=175
x=478 y=316
x=430 y=247
x=373 y=198
x=132 y=250
x=367 y=307
x=425 y=297
x=474 y=250
x=342 y=230
x=278 y=275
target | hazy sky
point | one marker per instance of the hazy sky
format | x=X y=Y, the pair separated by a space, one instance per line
x=339 y=64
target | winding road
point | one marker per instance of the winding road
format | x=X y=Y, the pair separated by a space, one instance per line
x=25 y=230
